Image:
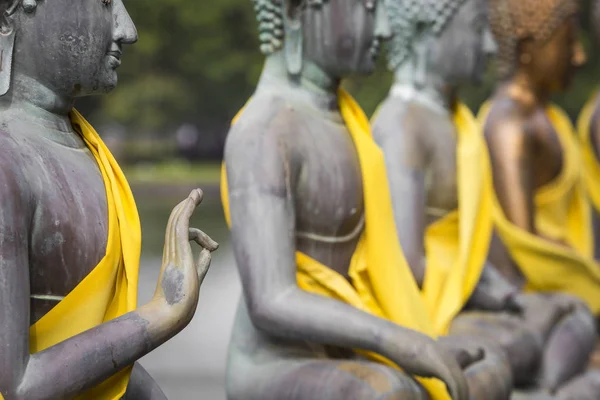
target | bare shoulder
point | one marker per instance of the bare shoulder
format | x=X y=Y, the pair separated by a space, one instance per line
x=506 y=124
x=392 y=120
x=404 y=128
x=258 y=146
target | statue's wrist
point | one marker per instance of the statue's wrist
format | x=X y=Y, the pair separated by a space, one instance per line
x=172 y=317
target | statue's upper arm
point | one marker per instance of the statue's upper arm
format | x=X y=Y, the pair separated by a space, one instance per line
x=406 y=158
x=511 y=149
x=260 y=173
x=14 y=277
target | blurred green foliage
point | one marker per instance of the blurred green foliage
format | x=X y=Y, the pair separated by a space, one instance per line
x=198 y=62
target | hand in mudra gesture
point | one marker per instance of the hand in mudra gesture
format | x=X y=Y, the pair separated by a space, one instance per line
x=181 y=276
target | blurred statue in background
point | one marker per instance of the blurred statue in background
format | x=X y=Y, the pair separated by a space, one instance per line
x=540 y=209
x=588 y=127
x=329 y=308
x=440 y=181
x=70 y=234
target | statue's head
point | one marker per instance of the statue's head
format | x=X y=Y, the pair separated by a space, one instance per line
x=72 y=47
x=342 y=37
x=450 y=38
x=540 y=37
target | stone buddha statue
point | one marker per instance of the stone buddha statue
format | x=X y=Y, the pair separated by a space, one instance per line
x=69 y=230
x=589 y=133
x=439 y=174
x=329 y=309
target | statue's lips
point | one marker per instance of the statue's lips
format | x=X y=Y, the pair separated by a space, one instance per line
x=114 y=58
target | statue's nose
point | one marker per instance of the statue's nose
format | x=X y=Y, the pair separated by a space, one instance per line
x=382 y=23
x=125 y=31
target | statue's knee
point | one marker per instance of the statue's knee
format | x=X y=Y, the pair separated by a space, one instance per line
x=378 y=382
x=569 y=348
x=491 y=378
x=142 y=386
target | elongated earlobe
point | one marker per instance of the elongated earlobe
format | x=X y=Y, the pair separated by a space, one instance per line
x=421 y=55
x=7 y=48
x=293 y=37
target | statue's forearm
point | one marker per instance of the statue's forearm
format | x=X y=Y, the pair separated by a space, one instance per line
x=85 y=360
x=299 y=315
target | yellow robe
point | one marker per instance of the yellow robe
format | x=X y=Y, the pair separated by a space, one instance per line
x=457 y=245
x=110 y=290
x=591 y=164
x=382 y=282
x=561 y=212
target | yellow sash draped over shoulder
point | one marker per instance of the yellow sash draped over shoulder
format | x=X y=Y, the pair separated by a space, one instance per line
x=457 y=245
x=591 y=164
x=562 y=212
x=110 y=290
x=382 y=282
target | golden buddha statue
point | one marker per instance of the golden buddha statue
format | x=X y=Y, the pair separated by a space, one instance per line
x=541 y=212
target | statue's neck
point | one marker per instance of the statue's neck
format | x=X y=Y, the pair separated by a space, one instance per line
x=525 y=90
x=425 y=87
x=33 y=102
x=313 y=85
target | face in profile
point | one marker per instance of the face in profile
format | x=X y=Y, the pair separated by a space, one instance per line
x=464 y=47
x=73 y=47
x=554 y=62
x=344 y=37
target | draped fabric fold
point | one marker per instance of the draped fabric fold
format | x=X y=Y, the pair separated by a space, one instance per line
x=457 y=245
x=110 y=290
x=381 y=280
x=562 y=212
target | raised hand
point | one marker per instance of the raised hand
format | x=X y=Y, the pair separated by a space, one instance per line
x=180 y=277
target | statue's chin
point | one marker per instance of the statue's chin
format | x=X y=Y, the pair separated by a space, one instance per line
x=364 y=70
x=101 y=88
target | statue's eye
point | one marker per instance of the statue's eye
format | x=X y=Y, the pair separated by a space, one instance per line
x=107 y=2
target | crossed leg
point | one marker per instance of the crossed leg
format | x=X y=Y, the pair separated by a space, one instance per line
x=310 y=379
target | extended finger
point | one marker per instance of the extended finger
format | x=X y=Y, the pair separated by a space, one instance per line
x=180 y=240
x=203 y=239
x=170 y=234
x=183 y=219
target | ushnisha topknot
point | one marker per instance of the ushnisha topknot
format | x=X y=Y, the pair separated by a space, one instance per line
x=269 y=14
x=411 y=18
x=515 y=20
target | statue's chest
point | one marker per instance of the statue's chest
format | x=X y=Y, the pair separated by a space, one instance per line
x=329 y=191
x=69 y=224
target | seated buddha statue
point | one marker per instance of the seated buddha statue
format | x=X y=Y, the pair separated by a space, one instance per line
x=589 y=134
x=540 y=208
x=439 y=174
x=70 y=233
x=330 y=309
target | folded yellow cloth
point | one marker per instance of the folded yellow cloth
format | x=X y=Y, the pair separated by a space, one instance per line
x=110 y=290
